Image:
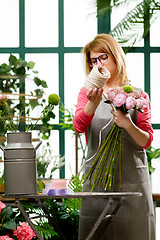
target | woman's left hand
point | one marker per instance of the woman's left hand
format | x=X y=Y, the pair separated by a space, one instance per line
x=123 y=120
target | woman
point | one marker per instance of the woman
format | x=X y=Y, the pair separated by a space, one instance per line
x=135 y=218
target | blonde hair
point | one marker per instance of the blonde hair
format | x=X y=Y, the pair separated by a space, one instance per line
x=106 y=44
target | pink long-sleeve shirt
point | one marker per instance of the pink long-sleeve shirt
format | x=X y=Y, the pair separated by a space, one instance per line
x=81 y=121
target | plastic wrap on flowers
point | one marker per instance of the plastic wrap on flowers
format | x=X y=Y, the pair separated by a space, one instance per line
x=104 y=168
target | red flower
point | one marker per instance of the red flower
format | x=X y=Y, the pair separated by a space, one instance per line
x=23 y=232
x=5 y=238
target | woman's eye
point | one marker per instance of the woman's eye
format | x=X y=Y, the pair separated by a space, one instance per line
x=104 y=57
x=94 y=61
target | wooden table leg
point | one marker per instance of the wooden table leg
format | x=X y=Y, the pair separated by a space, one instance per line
x=104 y=215
x=28 y=220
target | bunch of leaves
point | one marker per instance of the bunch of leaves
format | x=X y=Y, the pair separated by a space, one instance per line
x=66 y=218
x=75 y=185
x=6 y=117
x=47 y=115
x=17 y=67
x=136 y=23
x=13 y=77
x=67 y=118
x=7 y=221
x=43 y=226
x=152 y=153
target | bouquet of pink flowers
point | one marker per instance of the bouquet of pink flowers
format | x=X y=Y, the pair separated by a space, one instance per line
x=126 y=98
x=103 y=169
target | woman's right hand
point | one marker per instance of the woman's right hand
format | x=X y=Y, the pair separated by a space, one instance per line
x=95 y=96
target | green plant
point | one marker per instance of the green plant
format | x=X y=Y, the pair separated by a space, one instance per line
x=8 y=124
x=152 y=153
x=136 y=23
x=13 y=78
x=7 y=220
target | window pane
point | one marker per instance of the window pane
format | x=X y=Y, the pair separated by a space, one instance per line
x=155 y=86
x=80 y=22
x=74 y=78
x=69 y=154
x=47 y=66
x=41 y=23
x=135 y=69
x=52 y=154
x=155 y=35
x=9 y=19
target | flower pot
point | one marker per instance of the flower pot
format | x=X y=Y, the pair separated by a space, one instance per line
x=20 y=164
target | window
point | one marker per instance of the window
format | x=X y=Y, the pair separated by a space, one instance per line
x=52 y=34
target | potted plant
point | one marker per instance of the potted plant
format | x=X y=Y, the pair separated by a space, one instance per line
x=19 y=144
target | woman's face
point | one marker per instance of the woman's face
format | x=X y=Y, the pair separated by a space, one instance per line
x=104 y=60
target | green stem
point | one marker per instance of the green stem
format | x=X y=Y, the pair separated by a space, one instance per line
x=104 y=160
x=93 y=166
x=109 y=169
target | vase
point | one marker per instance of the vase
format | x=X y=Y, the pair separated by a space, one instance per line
x=20 y=168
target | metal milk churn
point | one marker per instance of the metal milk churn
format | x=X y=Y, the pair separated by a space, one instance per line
x=20 y=168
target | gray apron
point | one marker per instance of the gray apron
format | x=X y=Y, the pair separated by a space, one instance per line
x=135 y=218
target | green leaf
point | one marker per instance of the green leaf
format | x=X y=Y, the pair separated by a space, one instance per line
x=19 y=71
x=31 y=65
x=51 y=115
x=39 y=92
x=12 y=60
x=6 y=212
x=37 y=81
x=44 y=84
x=33 y=104
x=44 y=137
x=10 y=224
x=5 y=68
x=46 y=231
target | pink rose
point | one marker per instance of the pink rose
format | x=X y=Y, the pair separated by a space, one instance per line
x=130 y=102
x=111 y=94
x=136 y=94
x=141 y=103
x=24 y=232
x=2 y=205
x=119 y=99
x=5 y=238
